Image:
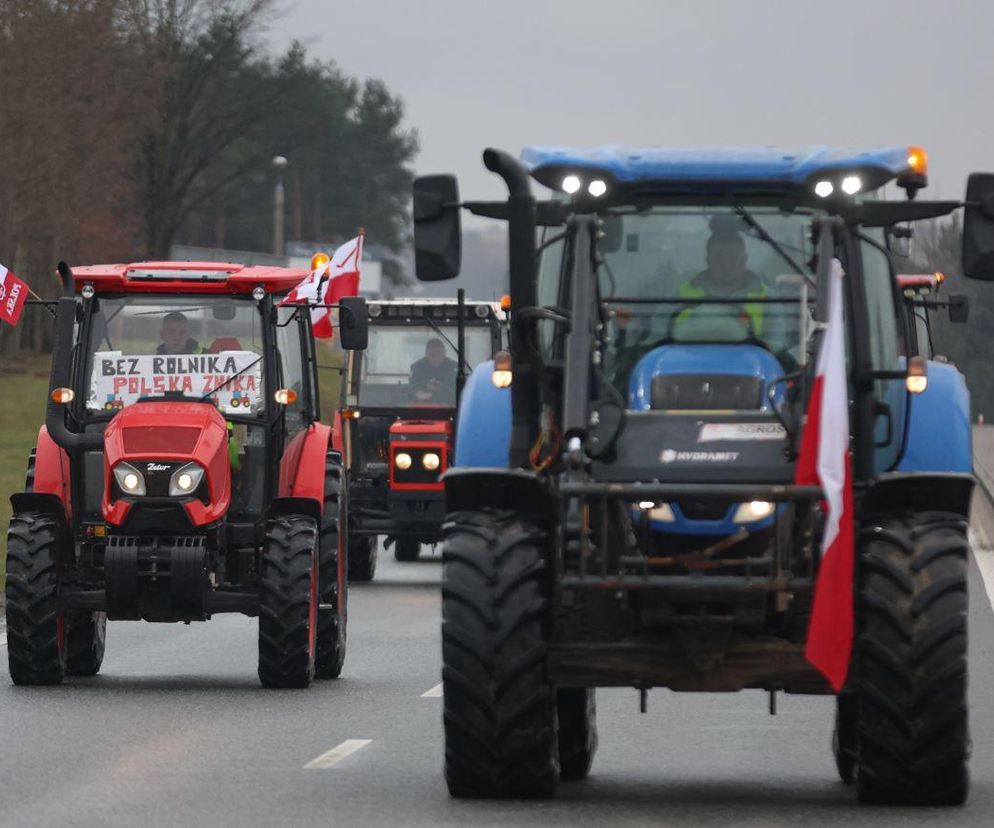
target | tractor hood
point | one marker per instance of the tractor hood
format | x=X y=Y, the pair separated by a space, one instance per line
x=157 y=439
x=705 y=376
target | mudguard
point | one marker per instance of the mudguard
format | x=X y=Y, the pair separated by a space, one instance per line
x=483 y=425
x=52 y=471
x=519 y=490
x=918 y=492
x=302 y=467
x=939 y=434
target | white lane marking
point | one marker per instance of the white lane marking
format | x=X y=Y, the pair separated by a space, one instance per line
x=983 y=554
x=434 y=693
x=337 y=754
x=3 y=639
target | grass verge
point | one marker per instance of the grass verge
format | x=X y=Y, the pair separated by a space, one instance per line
x=23 y=395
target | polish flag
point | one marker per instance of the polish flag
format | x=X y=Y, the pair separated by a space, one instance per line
x=327 y=284
x=825 y=461
x=13 y=295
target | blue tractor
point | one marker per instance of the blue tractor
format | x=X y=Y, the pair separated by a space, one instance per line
x=623 y=508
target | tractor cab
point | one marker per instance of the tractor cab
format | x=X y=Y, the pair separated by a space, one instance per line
x=183 y=469
x=397 y=418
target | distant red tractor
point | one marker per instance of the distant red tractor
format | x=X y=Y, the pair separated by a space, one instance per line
x=397 y=413
x=182 y=471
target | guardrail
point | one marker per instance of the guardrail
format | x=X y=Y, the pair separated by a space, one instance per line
x=983 y=459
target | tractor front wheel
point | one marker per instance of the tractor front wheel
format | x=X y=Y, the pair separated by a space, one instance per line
x=288 y=602
x=333 y=580
x=406 y=550
x=577 y=715
x=913 y=735
x=86 y=640
x=36 y=629
x=845 y=737
x=362 y=557
x=499 y=710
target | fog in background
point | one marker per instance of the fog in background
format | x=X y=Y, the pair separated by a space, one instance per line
x=512 y=73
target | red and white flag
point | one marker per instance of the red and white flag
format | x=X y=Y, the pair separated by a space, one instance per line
x=825 y=460
x=328 y=283
x=13 y=294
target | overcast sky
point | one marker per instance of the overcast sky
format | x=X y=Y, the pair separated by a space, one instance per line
x=508 y=73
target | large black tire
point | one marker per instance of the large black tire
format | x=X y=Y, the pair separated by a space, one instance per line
x=913 y=734
x=36 y=630
x=86 y=639
x=499 y=710
x=845 y=736
x=362 y=558
x=329 y=657
x=406 y=550
x=288 y=602
x=577 y=714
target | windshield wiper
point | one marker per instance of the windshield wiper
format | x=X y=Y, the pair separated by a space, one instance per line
x=217 y=388
x=749 y=219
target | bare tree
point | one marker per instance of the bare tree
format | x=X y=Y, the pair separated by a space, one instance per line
x=212 y=95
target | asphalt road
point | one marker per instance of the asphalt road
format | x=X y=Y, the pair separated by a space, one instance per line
x=176 y=731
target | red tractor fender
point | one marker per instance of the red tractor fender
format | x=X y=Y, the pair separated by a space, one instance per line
x=302 y=467
x=52 y=471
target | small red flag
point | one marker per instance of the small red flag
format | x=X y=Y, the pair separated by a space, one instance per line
x=328 y=284
x=13 y=294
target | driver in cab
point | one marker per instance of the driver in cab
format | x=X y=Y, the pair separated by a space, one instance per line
x=726 y=275
x=175 y=336
x=433 y=377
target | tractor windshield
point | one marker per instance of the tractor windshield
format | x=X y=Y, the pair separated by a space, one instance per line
x=148 y=347
x=417 y=365
x=705 y=274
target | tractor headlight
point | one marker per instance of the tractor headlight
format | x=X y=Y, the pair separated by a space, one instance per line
x=754 y=510
x=130 y=480
x=402 y=460
x=430 y=461
x=185 y=479
x=657 y=511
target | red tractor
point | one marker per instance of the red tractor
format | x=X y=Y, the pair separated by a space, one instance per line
x=207 y=485
x=397 y=432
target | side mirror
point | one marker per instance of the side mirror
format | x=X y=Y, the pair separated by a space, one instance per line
x=437 y=230
x=353 y=323
x=959 y=308
x=978 y=227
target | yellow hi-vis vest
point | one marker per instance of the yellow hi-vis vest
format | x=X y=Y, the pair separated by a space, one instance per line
x=754 y=310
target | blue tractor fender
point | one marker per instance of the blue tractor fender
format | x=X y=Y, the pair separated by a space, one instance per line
x=483 y=424
x=939 y=437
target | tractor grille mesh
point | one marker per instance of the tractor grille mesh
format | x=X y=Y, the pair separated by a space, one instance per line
x=677 y=392
x=703 y=509
x=146 y=440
